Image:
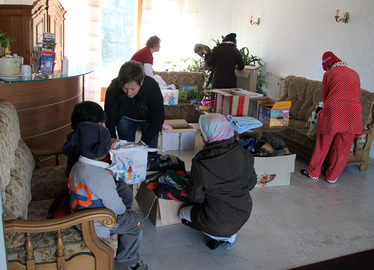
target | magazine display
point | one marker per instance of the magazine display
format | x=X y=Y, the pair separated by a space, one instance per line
x=44 y=56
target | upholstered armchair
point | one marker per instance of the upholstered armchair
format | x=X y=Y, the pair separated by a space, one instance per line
x=32 y=240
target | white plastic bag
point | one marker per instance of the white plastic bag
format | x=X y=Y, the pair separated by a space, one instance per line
x=129 y=162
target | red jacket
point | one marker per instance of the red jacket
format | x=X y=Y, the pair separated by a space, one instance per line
x=341 y=96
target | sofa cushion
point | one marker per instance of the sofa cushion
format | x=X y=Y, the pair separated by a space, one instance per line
x=313 y=96
x=367 y=101
x=54 y=176
x=18 y=192
x=9 y=137
x=304 y=95
x=294 y=91
x=45 y=243
x=297 y=124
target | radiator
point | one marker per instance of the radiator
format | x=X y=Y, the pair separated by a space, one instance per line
x=274 y=86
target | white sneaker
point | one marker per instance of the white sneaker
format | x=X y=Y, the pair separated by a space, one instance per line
x=332 y=181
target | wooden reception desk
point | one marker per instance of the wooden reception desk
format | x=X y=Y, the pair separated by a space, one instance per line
x=44 y=106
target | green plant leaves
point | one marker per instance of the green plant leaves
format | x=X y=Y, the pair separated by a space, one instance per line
x=5 y=43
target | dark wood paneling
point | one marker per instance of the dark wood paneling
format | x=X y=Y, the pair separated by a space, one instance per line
x=15 y=20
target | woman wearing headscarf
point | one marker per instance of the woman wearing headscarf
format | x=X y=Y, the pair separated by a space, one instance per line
x=225 y=57
x=221 y=177
x=340 y=120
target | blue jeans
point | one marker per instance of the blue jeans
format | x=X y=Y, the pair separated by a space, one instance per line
x=127 y=128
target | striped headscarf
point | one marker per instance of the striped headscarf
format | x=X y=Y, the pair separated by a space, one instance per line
x=214 y=127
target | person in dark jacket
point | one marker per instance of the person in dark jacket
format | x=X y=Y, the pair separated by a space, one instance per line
x=225 y=57
x=134 y=100
x=222 y=174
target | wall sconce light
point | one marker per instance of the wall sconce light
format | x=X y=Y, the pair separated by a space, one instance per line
x=253 y=23
x=344 y=19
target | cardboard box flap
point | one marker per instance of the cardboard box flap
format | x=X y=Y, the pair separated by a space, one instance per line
x=223 y=92
x=228 y=92
x=160 y=211
x=278 y=164
x=246 y=71
x=245 y=93
x=169 y=212
x=281 y=105
x=177 y=123
x=181 y=130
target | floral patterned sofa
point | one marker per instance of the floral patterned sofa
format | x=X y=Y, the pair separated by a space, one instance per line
x=26 y=194
x=305 y=95
x=183 y=110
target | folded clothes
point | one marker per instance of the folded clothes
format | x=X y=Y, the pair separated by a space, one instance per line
x=243 y=123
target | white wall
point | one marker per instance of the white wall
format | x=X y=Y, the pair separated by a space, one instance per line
x=293 y=35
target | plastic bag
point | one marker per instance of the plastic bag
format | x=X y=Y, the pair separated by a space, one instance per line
x=129 y=162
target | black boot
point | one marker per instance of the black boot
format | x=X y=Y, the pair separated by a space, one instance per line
x=213 y=244
x=187 y=223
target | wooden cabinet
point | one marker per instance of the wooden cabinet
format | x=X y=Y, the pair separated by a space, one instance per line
x=27 y=23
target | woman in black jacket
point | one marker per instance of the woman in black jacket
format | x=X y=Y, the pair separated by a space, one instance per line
x=224 y=58
x=221 y=177
x=134 y=100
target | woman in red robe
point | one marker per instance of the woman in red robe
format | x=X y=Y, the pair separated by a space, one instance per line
x=340 y=121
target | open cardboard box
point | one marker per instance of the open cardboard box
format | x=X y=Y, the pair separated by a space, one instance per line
x=181 y=137
x=247 y=78
x=232 y=101
x=160 y=211
x=254 y=105
x=275 y=114
x=274 y=171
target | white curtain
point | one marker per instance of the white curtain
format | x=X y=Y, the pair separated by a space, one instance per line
x=175 y=23
x=83 y=41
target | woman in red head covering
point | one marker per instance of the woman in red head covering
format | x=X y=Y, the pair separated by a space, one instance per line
x=340 y=121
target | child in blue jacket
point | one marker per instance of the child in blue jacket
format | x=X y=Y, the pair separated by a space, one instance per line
x=92 y=186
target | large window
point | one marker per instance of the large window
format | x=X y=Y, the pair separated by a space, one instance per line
x=119 y=36
x=103 y=34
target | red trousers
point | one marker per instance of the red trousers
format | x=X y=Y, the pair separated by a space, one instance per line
x=341 y=146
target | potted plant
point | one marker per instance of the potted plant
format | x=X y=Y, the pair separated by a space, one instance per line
x=5 y=44
x=8 y=65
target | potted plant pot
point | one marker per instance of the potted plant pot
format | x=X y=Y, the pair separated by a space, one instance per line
x=11 y=66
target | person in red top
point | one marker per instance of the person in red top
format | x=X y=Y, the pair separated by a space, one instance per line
x=145 y=56
x=340 y=121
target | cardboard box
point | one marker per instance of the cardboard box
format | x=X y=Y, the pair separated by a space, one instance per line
x=247 y=78
x=170 y=96
x=181 y=137
x=254 y=105
x=274 y=171
x=276 y=114
x=232 y=101
x=160 y=211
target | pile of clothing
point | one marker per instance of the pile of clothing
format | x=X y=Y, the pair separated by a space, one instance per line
x=166 y=176
x=265 y=146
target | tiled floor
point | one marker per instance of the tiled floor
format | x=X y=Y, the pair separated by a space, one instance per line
x=290 y=226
